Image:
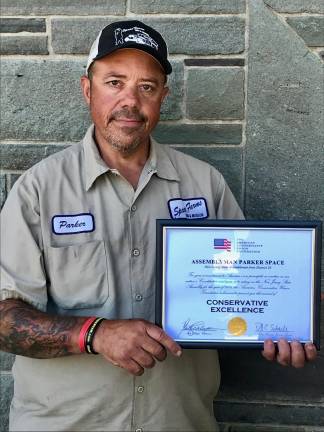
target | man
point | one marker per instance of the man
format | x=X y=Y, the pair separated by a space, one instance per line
x=79 y=238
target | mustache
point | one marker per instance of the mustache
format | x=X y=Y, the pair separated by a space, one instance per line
x=131 y=114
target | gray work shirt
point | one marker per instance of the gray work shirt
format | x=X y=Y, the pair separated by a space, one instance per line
x=79 y=240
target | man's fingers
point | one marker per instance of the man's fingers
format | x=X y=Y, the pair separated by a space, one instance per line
x=133 y=367
x=155 y=349
x=143 y=358
x=162 y=338
x=297 y=354
x=269 y=350
x=310 y=352
x=284 y=355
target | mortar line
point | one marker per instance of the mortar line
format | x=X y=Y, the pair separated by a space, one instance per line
x=244 y=124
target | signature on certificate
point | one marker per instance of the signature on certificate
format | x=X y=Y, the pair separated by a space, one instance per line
x=196 y=328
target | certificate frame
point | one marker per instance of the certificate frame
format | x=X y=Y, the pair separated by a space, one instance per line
x=306 y=229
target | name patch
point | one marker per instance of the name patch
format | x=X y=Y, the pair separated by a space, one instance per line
x=190 y=208
x=73 y=224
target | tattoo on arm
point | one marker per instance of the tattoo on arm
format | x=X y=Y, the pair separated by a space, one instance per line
x=27 y=331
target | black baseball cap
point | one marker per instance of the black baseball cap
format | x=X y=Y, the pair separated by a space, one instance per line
x=130 y=34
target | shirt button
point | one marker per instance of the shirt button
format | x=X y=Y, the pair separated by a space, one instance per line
x=138 y=297
x=136 y=252
x=133 y=208
x=140 y=389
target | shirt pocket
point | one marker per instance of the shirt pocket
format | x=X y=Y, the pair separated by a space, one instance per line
x=78 y=275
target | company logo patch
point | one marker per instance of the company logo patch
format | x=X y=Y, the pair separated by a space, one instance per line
x=73 y=224
x=190 y=208
x=134 y=34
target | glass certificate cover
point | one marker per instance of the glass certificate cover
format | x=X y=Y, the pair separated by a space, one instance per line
x=228 y=283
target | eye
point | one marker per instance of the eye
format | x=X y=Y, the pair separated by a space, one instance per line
x=114 y=83
x=147 y=88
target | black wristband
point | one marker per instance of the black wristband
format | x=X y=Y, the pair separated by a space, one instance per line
x=90 y=335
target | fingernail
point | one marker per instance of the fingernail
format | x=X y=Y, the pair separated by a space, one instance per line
x=178 y=353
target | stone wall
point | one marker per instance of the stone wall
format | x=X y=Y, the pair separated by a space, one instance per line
x=246 y=95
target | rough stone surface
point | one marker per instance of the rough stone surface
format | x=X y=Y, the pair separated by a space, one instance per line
x=215 y=93
x=310 y=28
x=211 y=35
x=33 y=109
x=6 y=361
x=185 y=6
x=246 y=412
x=15 y=25
x=311 y=6
x=265 y=427
x=3 y=191
x=13 y=179
x=285 y=133
x=23 y=156
x=285 y=127
x=13 y=44
x=198 y=133
x=62 y=7
x=171 y=108
x=6 y=393
x=228 y=161
x=278 y=383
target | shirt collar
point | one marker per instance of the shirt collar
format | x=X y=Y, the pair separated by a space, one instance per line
x=158 y=161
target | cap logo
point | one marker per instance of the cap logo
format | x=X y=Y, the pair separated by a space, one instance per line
x=134 y=34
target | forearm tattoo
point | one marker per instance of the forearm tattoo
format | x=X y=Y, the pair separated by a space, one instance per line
x=26 y=331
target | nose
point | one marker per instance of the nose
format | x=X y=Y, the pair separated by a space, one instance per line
x=130 y=96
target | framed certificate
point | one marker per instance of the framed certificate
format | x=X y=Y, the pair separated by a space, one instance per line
x=237 y=283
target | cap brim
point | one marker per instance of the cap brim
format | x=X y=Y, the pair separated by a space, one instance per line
x=166 y=65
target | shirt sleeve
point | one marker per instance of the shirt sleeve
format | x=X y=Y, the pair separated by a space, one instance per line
x=22 y=264
x=228 y=207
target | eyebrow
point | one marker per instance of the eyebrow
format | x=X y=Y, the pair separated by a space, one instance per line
x=118 y=75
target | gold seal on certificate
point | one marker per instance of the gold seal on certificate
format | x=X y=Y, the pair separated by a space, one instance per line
x=237 y=326
x=233 y=283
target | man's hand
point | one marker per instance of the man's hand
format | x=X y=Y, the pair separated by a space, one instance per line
x=289 y=354
x=133 y=344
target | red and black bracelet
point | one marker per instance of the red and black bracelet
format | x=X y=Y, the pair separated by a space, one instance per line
x=90 y=335
x=87 y=333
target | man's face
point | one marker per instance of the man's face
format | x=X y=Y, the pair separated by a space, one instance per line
x=124 y=96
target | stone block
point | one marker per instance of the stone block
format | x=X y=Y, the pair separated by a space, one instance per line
x=6 y=393
x=285 y=133
x=228 y=161
x=198 y=133
x=187 y=7
x=310 y=28
x=205 y=35
x=41 y=100
x=6 y=361
x=15 y=25
x=215 y=93
x=171 y=108
x=62 y=7
x=266 y=427
x=23 y=156
x=3 y=189
x=13 y=44
x=269 y=414
x=296 y=6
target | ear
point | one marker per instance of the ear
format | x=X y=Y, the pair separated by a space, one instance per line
x=86 y=88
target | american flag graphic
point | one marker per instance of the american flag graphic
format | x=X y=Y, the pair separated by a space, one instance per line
x=222 y=244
